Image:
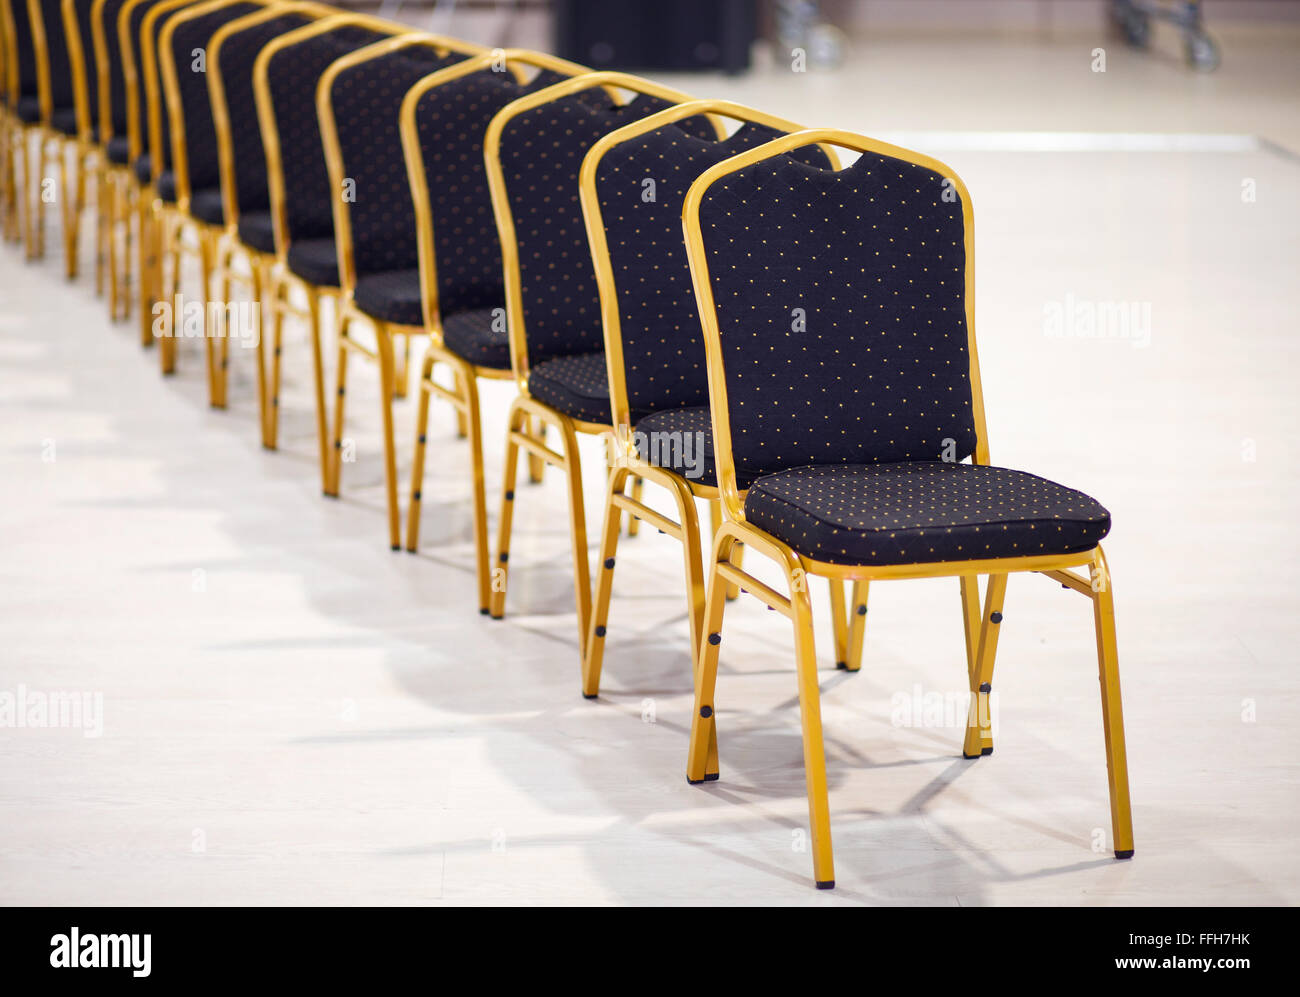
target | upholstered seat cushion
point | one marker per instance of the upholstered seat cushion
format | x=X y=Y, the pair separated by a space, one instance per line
x=207 y=206
x=257 y=230
x=28 y=110
x=64 y=119
x=681 y=440
x=143 y=169
x=118 y=150
x=165 y=188
x=916 y=512
x=392 y=296
x=478 y=336
x=576 y=385
x=315 y=260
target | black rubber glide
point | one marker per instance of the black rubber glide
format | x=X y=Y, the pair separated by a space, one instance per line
x=1125 y=854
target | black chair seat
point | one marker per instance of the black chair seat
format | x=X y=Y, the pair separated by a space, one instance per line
x=315 y=260
x=165 y=188
x=914 y=512
x=577 y=386
x=682 y=440
x=471 y=336
x=143 y=169
x=393 y=296
x=257 y=231
x=207 y=206
x=28 y=110
x=64 y=119
x=118 y=150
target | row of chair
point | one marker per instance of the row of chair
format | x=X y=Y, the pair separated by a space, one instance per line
x=746 y=320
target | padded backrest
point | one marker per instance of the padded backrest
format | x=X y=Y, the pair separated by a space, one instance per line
x=292 y=75
x=134 y=21
x=83 y=9
x=367 y=102
x=192 y=82
x=23 y=48
x=541 y=155
x=841 y=308
x=113 y=57
x=238 y=54
x=452 y=120
x=663 y=348
x=56 y=45
x=164 y=153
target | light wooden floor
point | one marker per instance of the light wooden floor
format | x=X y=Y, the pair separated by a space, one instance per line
x=294 y=714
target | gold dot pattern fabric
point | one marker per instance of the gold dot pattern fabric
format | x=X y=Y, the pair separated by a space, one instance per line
x=642 y=185
x=541 y=155
x=841 y=308
x=916 y=512
x=577 y=385
x=367 y=100
x=292 y=75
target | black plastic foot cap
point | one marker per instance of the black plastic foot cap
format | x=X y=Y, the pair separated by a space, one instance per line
x=987 y=751
x=590 y=695
x=1126 y=853
x=484 y=611
x=825 y=884
x=843 y=665
x=397 y=546
x=495 y=616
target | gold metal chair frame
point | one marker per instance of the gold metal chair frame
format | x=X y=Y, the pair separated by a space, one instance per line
x=463 y=392
x=392 y=379
x=981 y=632
x=283 y=281
x=14 y=137
x=113 y=185
x=174 y=219
x=528 y=418
x=49 y=142
x=228 y=247
x=848 y=633
x=88 y=157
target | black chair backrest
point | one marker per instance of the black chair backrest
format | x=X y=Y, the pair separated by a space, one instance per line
x=292 y=75
x=452 y=120
x=663 y=349
x=23 y=48
x=56 y=47
x=367 y=101
x=133 y=21
x=235 y=64
x=161 y=157
x=84 y=26
x=189 y=37
x=116 y=123
x=841 y=306
x=541 y=154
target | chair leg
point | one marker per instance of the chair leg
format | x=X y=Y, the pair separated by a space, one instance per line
x=536 y=466
x=147 y=252
x=1103 y=601
x=387 y=378
x=340 y=394
x=517 y=421
x=42 y=161
x=67 y=213
x=401 y=366
x=475 y=434
x=594 y=655
x=318 y=379
x=72 y=230
x=220 y=268
x=577 y=531
x=702 y=752
x=271 y=437
x=101 y=225
x=715 y=521
x=417 y=461
x=814 y=750
x=259 y=279
x=212 y=337
x=634 y=523
x=857 y=623
x=839 y=623
x=28 y=194
x=979 y=722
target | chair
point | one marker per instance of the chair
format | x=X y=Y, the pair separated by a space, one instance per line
x=533 y=151
x=444 y=119
x=358 y=102
x=196 y=204
x=285 y=76
x=22 y=121
x=853 y=424
x=654 y=352
x=249 y=234
x=80 y=125
x=114 y=180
